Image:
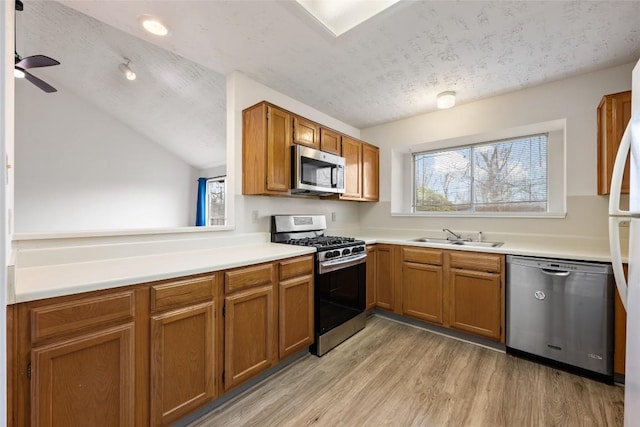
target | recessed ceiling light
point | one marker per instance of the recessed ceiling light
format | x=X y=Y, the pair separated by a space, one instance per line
x=339 y=16
x=446 y=100
x=153 y=25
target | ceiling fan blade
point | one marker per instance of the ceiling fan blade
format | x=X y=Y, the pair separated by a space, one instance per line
x=36 y=61
x=40 y=83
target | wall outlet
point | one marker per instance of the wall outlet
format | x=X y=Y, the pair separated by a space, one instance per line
x=254 y=217
x=333 y=217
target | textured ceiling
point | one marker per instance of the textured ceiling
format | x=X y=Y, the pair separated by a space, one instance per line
x=174 y=102
x=394 y=64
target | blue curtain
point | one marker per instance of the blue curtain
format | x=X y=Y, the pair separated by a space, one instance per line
x=201 y=207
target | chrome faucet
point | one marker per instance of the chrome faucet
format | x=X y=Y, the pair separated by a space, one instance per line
x=457 y=236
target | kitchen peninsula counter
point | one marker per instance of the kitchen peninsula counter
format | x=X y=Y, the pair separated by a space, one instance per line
x=75 y=272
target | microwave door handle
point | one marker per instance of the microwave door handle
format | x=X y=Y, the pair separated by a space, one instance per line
x=334 y=176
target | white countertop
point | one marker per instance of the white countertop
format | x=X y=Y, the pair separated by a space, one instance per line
x=38 y=282
x=575 y=248
x=45 y=273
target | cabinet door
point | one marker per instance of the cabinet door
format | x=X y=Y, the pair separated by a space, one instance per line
x=352 y=153
x=372 y=276
x=476 y=302
x=295 y=315
x=423 y=291
x=370 y=174
x=182 y=362
x=306 y=132
x=614 y=113
x=85 y=381
x=249 y=331
x=384 y=290
x=278 y=150
x=330 y=141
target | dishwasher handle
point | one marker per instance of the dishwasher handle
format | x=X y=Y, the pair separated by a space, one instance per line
x=555 y=272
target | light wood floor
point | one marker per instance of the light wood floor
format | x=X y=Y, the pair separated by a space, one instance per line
x=397 y=375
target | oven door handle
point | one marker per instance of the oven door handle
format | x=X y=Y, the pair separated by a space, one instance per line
x=338 y=264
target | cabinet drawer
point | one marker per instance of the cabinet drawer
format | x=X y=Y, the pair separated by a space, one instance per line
x=476 y=261
x=296 y=267
x=74 y=316
x=422 y=256
x=181 y=293
x=247 y=277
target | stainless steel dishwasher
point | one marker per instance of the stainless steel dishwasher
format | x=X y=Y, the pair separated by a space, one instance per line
x=561 y=310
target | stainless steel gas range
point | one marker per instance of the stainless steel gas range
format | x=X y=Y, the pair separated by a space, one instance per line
x=340 y=277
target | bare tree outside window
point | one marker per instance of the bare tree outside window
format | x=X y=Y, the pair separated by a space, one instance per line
x=499 y=176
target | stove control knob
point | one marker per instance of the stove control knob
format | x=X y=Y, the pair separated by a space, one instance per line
x=346 y=251
x=328 y=254
x=336 y=253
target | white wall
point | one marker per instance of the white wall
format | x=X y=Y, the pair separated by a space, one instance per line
x=574 y=99
x=78 y=168
x=243 y=92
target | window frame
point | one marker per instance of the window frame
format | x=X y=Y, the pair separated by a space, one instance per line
x=208 y=216
x=401 y=164
x=472 y=180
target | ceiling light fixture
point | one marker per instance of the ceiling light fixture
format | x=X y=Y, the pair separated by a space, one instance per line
x=125 y=68
x=340 y=16
x=153 y=25
x=446 y=100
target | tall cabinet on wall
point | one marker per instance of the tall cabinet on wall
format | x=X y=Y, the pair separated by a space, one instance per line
x=362 y=170
x=614 y=113
x=266 y=150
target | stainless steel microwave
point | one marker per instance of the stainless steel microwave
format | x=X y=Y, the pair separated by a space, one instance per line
x=315 y=172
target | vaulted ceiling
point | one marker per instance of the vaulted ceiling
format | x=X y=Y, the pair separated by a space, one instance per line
x=390 y=67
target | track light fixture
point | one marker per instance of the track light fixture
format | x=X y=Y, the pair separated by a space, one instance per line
x=125 y=68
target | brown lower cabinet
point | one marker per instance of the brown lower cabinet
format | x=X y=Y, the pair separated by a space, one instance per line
x=372 y=276
x=296 y=314
x=90 y=378
x=183 y=347
x=455 y=289
x=385 y=271
x=149 y=354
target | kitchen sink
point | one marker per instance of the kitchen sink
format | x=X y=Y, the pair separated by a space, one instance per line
x=432 y=240
x=459 y=242
x=477 y=244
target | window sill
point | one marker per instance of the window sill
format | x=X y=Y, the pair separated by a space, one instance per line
x=549 y=215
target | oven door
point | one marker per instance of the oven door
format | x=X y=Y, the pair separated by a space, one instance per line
x=340 y=291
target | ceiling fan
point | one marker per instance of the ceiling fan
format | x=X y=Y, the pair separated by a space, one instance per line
x=35 y=61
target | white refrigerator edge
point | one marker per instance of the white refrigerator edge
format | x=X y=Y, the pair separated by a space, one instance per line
x=629 y=290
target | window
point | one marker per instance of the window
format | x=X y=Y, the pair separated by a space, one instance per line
x=499 y=176
x=216 y=194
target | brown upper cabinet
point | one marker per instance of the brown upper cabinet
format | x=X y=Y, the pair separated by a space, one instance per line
x=361 y=178
x=266 y=150
x=330 y=141
x=268 y=132
x=370 y=172
x=306 y=132
x=614 y=112
x=352 y=153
